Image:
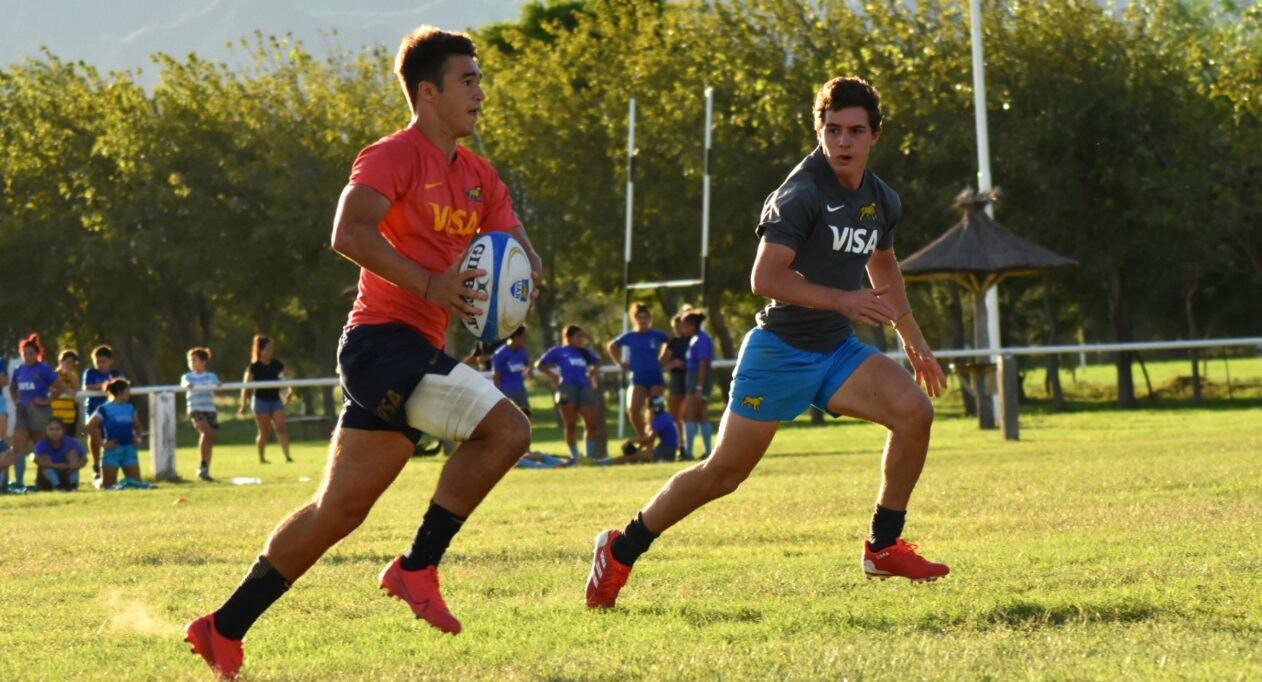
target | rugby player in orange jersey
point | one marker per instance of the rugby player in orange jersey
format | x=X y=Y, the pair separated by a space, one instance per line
x=414 y=201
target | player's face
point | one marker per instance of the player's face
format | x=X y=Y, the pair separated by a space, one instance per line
x=459 y=102
x=55 y=432
x=846 y=137
x=644 y=319
x=29 y=354
x=103 y=362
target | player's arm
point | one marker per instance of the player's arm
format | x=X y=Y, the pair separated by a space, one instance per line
x=773 y=276
x=356 y=237
x=4 y=379
x=885 y=275
x=553 y=376
x=94 y=436
x=245 y=392
x=615 y=354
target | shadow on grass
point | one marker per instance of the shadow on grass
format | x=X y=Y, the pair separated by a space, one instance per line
x=1022 y=613
x=703 y=617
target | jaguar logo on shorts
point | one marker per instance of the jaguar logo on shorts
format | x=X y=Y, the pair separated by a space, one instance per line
x=752 y=402
x=388 y=408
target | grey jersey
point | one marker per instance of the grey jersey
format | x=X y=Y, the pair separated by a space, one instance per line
x=833 y=230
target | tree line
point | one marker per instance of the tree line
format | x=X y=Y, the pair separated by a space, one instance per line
x=198 y=212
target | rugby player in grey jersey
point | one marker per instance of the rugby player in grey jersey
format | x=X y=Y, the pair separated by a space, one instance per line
x=830 y=221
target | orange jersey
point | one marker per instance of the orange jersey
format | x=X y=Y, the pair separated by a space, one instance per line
x=435 y=209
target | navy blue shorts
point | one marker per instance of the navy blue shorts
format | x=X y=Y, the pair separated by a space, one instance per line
x=380 y=365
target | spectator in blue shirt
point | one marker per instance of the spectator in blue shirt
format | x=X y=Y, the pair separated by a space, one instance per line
x=200 y=383
x=33 y=387
x=510 y=367
x=700 y=383
x=99 y=374
x=59 y=458
x=658 y=444
x=639 y=352
x=572 y=368
x=114 y=428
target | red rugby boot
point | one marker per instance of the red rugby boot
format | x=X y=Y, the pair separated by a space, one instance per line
x=608 y=574
x=223 y=655
x=900 y=560
x=419 y=590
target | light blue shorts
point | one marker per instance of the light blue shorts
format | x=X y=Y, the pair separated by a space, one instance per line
x=775 y=381
x=121 y=457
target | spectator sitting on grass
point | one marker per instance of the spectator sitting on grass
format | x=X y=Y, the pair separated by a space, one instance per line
x=200 y=383
x=59 y=458
x=114 y=427
x=661 y=429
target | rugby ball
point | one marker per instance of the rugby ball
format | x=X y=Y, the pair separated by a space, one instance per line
x=507 y=284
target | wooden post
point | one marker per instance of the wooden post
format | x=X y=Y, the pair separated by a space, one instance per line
x=1009 y=406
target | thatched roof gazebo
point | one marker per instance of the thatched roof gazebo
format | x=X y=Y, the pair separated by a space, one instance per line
x=979 y=253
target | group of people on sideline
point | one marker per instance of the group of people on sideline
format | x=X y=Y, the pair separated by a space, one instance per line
x=48 y=415
x=649 y=357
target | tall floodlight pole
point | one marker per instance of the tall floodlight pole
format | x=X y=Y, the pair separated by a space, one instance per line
x=705 y=191
x=626 y=258
x=983 y=174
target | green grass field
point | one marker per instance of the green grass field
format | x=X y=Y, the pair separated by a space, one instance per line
x=1104 y=545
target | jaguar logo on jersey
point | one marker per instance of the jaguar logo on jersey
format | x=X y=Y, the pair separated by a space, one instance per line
x=854 y=239
x=455 y=221
x=475 y=194
x=754 y=402
x=868 y=212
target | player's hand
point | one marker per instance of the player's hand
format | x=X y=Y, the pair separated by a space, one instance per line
x=866 y=306
x=928 y=371
x=449 y=290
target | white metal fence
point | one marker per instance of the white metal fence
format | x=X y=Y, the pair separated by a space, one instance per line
x=163 y=413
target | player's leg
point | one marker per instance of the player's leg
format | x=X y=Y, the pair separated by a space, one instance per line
x=109 y=476
x=703 y=413
x=362 y=465
x=742 y=443
x=635 y=408
x=282 y=431
x=677 y=405
x=206 y=446
x=881 y=391
x=482 y=460
x=263 y=421
x=593 y=430
x=569 y=417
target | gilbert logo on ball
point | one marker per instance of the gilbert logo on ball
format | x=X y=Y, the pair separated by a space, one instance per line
x=506 y=283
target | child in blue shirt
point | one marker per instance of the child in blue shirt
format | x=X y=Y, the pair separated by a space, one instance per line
x=200 y=384
x=114 y=427
x=639 y=352
x=700 y=382
x=59 y=458
x=572 y=368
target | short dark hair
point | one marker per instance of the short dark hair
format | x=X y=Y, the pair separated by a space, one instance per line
x=116 y=386
x=201 y=352
x=571 y=329
x=850 y=91
x=68 y=355
x=695 y=317
x=59 y=421
x=640 y=307
x=519 y=332
x=422 y=55
x=102 y=351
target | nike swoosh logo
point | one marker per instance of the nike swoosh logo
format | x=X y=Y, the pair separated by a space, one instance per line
x=432 y=185
x=834 y=209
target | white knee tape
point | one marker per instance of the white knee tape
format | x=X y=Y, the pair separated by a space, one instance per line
x=450 y=407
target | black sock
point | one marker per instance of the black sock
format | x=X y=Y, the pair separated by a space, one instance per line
x=437 y=529
x=260 y=589
x=634 y=541
x=887 y=526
